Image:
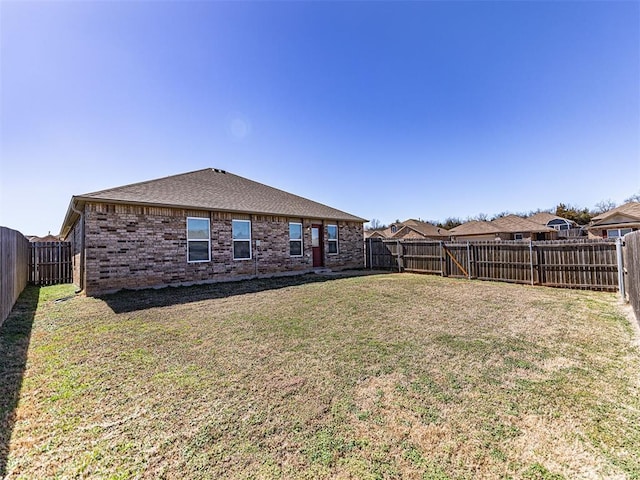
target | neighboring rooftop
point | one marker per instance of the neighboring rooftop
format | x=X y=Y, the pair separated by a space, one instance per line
x=544 y=218
x=516 y=224
x=213 y=189
x=629 y=209
x=426 y=228
x=46 y=238
x=475 y=227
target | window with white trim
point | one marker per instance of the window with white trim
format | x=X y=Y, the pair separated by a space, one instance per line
x=198 y=240
x=332 y=239
x=517 y=236
x=618 y=232
x=241 y=234
x=295 y=239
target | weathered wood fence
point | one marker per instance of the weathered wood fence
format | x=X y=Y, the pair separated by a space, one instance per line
x=14 y=268
x=50 y=263
x=569 y=263
x=631 y=255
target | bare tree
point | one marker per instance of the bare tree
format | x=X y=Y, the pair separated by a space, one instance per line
x=633 y=198
x=375 y=224
x=604 y=206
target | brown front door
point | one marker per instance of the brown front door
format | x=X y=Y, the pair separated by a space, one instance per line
x=316 y=245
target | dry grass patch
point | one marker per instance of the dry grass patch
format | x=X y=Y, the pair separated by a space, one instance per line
x=388 y=376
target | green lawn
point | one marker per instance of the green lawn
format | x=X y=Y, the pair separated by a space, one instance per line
x=383 y=376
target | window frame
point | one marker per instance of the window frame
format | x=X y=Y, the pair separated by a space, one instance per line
x=618 y=231
x=518 y=236
x=336 y=240
x=233 y=240
x=296 y=240
x=208 y=220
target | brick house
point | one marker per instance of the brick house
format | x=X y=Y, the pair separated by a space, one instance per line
x=411 y=230
x=200 y=227
x=509 y=227
x=616 y=222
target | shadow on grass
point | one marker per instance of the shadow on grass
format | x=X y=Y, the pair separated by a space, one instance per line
x=15 y=335
x=132 y=300
x=126 y=301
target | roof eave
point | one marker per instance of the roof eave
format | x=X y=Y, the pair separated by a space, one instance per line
x=351 y=218
x=71 y=216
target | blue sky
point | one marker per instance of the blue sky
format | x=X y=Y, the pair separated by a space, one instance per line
x=383 y=109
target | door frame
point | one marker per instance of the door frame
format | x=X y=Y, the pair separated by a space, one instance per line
x=319 y=250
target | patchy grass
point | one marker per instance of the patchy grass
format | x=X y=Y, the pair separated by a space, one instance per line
x=388 y=376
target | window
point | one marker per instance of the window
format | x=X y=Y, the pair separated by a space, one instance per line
x=241 y=233
x=517 y=236
x=295 y=239
x=332 y=234
x=198 y=240
x=618 y=232
x=559 y=224
x=394 y=229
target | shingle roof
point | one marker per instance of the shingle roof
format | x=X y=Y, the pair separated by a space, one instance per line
x=425 y=228
x=545 y=217
x=475 y=227
x=516 y=224
x=213 y=189
x=630 y=209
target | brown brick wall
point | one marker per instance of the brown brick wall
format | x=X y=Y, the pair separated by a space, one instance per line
x=350 y=246
x=135 y=247
x=75 y=237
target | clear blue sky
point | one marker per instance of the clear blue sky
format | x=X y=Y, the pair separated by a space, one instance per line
x=383 y=109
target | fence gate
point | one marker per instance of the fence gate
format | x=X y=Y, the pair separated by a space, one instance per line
x=50 y=263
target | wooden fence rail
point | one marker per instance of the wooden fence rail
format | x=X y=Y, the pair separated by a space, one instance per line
x=14 y=266
x=50 y=263
x=631 y=255
x=570 y=264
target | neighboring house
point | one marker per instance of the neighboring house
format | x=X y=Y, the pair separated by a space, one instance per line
x=373 y=234
x=47 y=238
x=513 y=227
x=510 y=227
x=417 y=229
x=616 y=222
x=411 y=229
x=553 y=221
x=201 y=227
x=475 y=230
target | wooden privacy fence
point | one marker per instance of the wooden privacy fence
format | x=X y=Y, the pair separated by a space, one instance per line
x=570 y=264
x=631 y=254
x=14 y=265
x=50 y=263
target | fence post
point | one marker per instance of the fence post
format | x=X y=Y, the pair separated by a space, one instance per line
x=468 y=260
x=370 y=256
x=531 y=258
x=443 y=260
x=619 y=245
x=398 y=256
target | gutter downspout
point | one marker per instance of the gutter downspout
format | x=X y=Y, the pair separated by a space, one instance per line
x=82 y=252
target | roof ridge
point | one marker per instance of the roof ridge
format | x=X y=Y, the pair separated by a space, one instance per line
x=279 y=190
